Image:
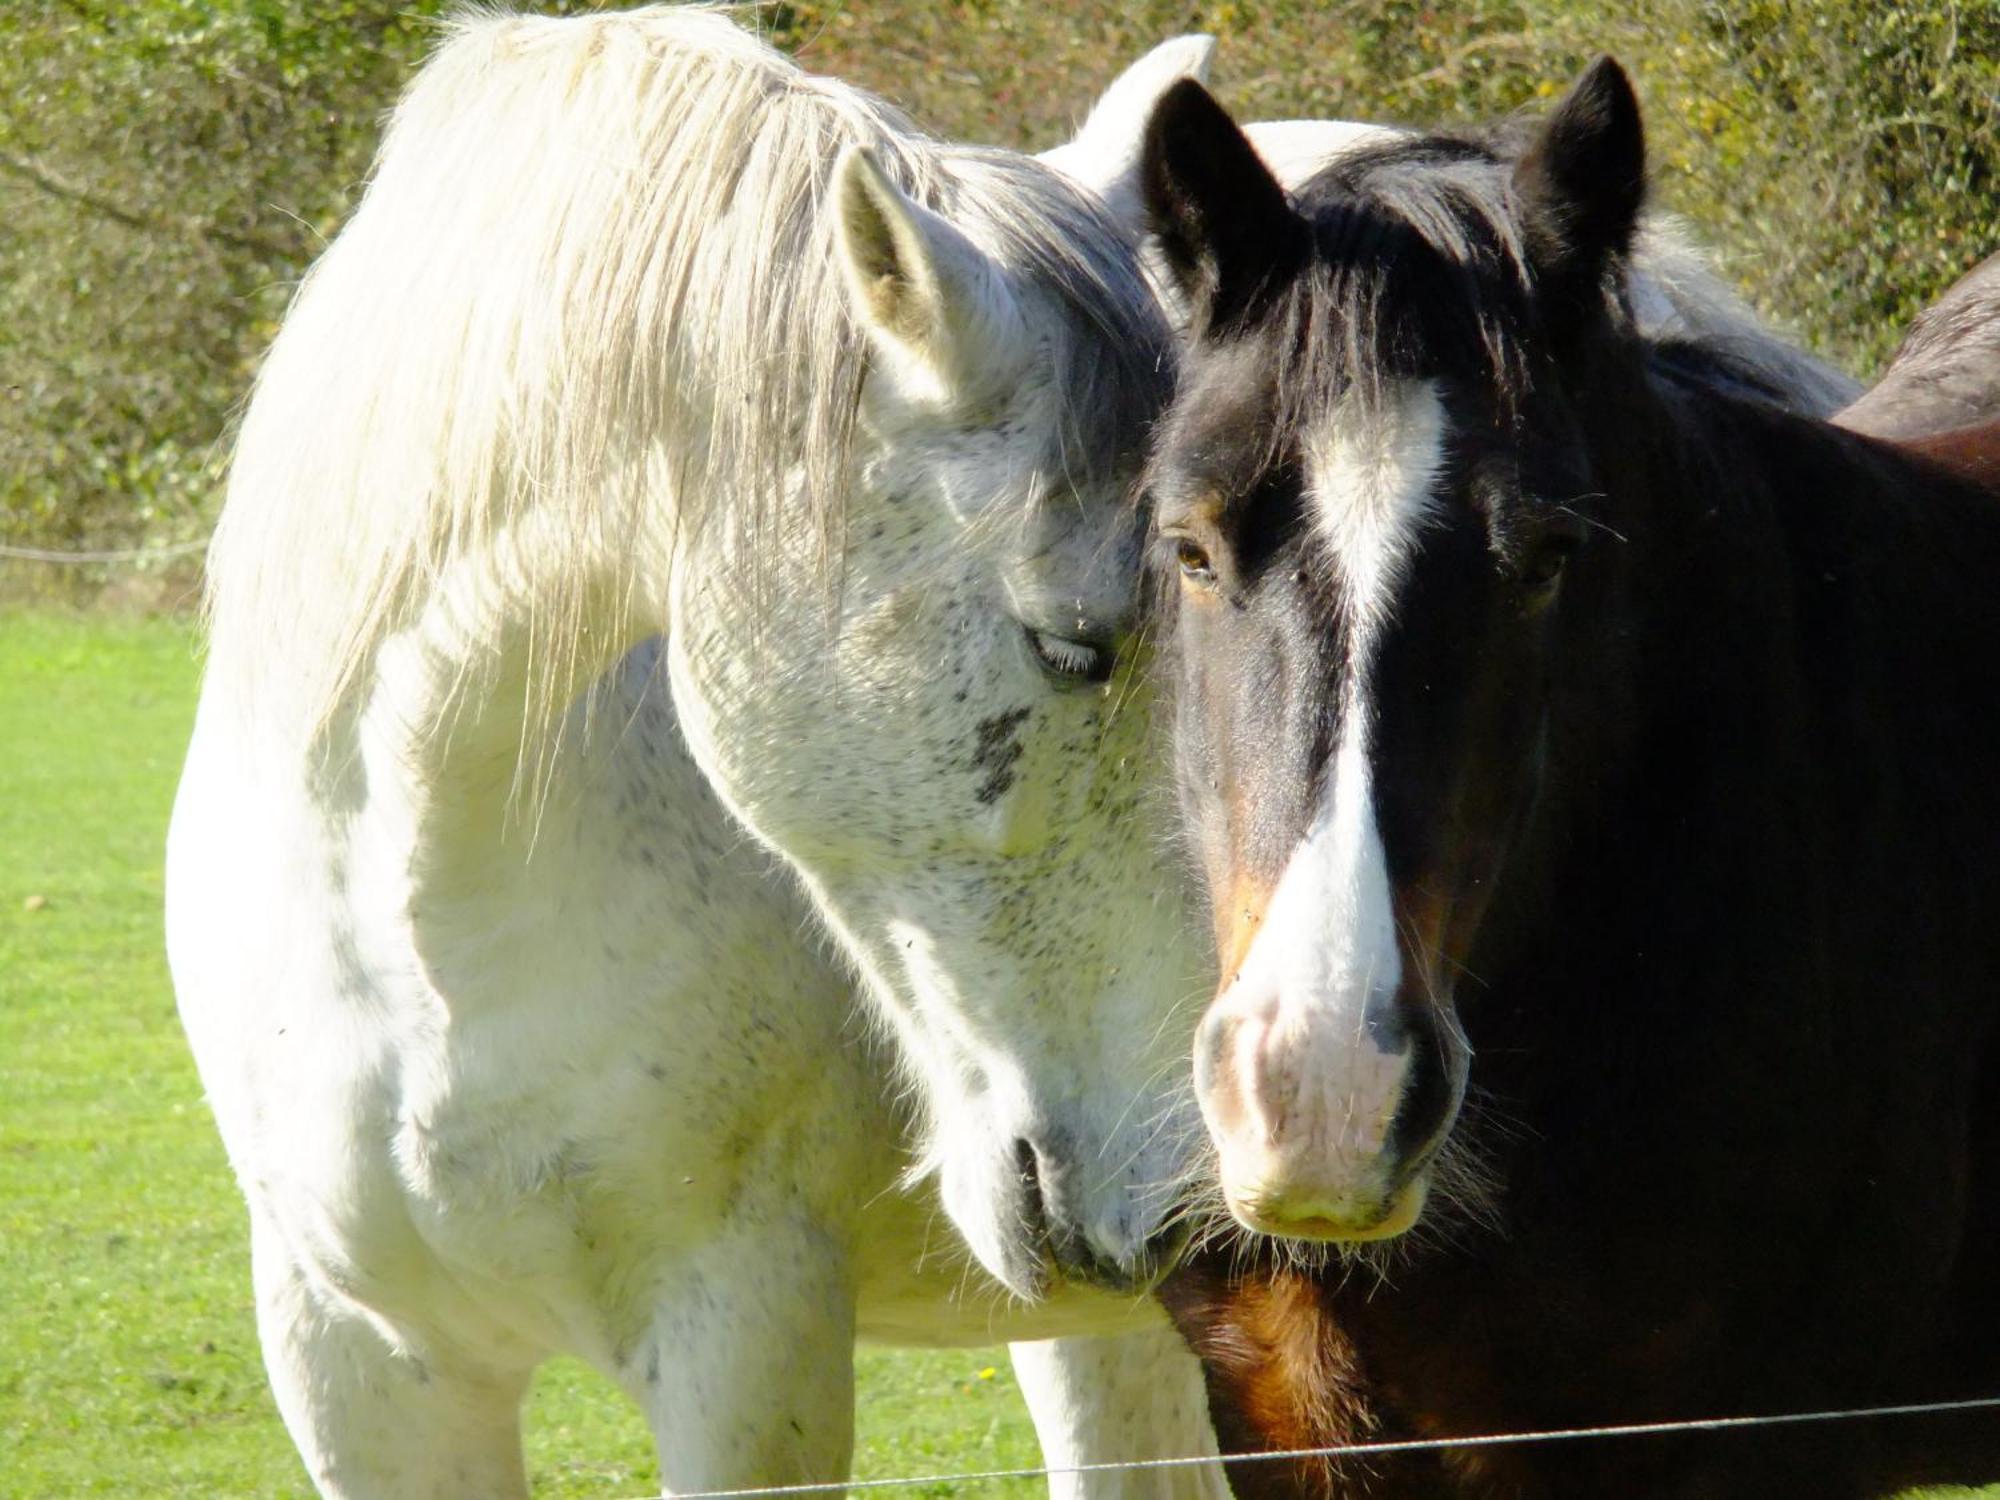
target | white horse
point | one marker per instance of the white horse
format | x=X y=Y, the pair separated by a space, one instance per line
x=675 y=445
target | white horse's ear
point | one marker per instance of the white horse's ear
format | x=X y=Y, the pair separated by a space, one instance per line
x=1295 y=150
x=1105 y=154
x=934 y=304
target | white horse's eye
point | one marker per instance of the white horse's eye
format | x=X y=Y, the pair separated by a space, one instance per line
x=1069 y=658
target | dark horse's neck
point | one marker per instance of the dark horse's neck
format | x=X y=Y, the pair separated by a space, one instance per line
x=1746 y=975
x=1778 y=678
x=1771 y=735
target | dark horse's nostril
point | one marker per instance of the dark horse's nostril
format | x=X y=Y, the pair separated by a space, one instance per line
x=1429 y=1101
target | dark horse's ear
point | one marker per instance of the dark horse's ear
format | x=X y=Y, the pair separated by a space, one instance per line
x=1581 y=185
x=1221 y=218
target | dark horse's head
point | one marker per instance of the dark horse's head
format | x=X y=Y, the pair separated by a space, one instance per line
x=1371 y=486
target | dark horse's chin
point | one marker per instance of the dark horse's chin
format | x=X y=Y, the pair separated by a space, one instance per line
x=1354 y=1220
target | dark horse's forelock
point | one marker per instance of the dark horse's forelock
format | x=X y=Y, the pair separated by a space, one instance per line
x=1418 y=270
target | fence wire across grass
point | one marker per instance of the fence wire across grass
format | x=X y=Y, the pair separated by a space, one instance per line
x=113 y=555
x=1365 y=1450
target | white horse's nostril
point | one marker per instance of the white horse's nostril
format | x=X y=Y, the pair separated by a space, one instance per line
x=1027 y=1165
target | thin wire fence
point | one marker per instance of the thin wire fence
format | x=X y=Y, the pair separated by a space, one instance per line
x=1369 y=1450
x=113 y=555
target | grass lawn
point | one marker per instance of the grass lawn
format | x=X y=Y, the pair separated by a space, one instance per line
x=128 y=1356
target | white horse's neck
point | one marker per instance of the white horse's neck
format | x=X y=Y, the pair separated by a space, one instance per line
x=467 y=735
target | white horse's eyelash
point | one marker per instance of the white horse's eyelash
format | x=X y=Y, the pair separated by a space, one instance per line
x=1071 y=658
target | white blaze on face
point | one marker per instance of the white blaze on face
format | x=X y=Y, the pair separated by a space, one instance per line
x=1369 y=477
x=1325 y=954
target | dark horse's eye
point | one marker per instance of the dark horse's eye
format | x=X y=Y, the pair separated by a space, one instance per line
x=1542 y=569
x=1194 y=562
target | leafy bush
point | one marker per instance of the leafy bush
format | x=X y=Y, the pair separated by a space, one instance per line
x=166 y=172
x=1843 y=155
x=168 y=168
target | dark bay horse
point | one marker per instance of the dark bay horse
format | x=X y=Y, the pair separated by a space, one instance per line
x=1596 y=773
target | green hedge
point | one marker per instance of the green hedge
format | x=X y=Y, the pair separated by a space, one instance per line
x=167 y=169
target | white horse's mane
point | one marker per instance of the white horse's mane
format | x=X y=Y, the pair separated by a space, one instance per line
x=591 y=293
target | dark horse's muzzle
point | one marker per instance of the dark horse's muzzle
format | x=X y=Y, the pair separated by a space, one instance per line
x=1327 y=1104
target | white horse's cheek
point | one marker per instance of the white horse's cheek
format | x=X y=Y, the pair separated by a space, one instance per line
x=988 y=847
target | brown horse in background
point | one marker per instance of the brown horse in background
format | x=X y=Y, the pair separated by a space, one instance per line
x=1947 y=373
x=1940 y=396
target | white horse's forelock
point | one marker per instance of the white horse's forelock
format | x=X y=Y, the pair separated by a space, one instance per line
x=589 y=290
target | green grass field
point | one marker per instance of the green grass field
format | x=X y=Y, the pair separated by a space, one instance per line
x=128 y=1356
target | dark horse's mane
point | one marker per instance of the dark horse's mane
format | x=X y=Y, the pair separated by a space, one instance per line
x=1418 y=262
x=1737 y=989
